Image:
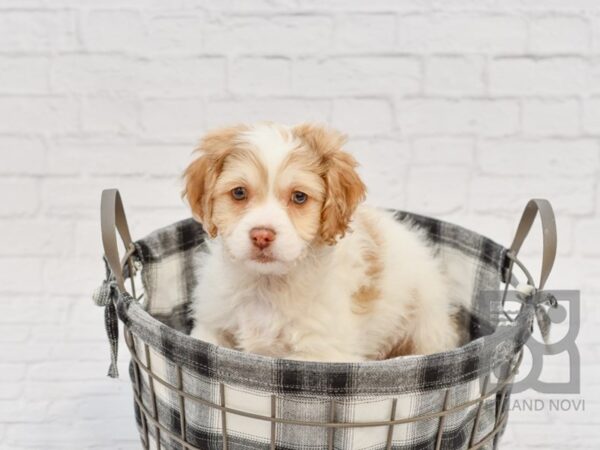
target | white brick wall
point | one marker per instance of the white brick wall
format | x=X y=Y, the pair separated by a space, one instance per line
x=461 y=109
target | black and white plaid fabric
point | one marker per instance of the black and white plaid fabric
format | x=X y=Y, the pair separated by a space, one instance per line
x=361 y=392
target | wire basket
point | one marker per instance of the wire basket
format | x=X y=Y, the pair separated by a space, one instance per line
x=190 y=394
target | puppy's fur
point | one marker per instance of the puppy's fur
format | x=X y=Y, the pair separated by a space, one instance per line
x=324 y=279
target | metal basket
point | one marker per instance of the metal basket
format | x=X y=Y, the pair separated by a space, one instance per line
x=190 y=394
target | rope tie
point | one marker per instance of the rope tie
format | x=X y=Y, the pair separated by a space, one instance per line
x=542 y=302
x=106 y=295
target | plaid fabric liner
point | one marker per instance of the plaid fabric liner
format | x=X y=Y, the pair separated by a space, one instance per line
x=305 y=390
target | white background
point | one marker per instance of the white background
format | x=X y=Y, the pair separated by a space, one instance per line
x=458 y=109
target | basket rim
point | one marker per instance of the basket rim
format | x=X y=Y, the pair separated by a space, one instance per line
x=233 y=366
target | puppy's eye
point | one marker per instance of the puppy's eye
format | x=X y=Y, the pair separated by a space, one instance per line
x=299 y=197
x=239 y=193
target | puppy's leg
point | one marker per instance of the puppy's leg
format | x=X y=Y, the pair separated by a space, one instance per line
x=435 y=332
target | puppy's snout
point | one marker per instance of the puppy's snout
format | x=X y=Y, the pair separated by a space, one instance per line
x=262 y=237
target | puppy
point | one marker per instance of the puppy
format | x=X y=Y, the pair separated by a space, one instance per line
x=296 y=268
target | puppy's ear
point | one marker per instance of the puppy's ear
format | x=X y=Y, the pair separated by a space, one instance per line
x=201 y=175
x=344 y=189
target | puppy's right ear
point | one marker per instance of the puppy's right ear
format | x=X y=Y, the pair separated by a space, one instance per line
x=201 y=175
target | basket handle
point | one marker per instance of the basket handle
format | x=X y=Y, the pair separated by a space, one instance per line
x=546 y=213
x=112 y=219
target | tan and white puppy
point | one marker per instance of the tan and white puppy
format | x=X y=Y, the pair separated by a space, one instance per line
x=296 y=268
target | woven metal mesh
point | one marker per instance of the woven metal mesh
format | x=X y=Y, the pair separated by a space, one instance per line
x=151 y=424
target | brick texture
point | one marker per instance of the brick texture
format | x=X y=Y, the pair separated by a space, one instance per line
x=460 y=109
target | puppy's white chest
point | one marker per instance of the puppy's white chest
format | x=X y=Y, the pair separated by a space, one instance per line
x=261 y=327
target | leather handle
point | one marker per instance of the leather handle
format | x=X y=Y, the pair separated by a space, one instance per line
x=546 y=213
x=112 y=219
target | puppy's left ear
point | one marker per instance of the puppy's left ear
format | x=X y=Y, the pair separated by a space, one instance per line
x=344 y=189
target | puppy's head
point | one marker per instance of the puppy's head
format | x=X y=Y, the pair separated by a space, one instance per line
x=272 y=192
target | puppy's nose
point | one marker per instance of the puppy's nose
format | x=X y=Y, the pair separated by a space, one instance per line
x=262 y=237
